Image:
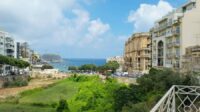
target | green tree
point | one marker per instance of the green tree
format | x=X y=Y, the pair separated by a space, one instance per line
x=47 y=66
x=13 y=62
x=88 y=67
x=63 y=106
x=73 y=68
x=112 y=65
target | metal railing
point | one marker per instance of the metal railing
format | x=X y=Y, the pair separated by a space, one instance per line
x=179 y=99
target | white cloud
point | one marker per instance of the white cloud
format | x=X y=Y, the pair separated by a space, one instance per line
x=49 y=23
x=145 y=16
x=97 y=27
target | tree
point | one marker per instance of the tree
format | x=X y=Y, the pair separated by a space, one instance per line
x=149 y=89
x=47 y=67
x=73 y=68
x=88 y=67
x=112 y=65
x=63 y=106
x=13 y=62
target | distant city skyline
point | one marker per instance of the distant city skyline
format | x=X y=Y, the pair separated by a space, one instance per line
x=80 y=28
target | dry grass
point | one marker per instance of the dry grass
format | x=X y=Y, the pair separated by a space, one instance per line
x=34 y=83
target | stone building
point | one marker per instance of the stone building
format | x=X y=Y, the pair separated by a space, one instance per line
x=137 y=53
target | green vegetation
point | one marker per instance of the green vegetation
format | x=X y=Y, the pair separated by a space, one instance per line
x=6 y=107
x=13 y=62
x=81 y=93
x=47 y=66
x=63 y=106
x=52 y=94
x=88 y=67
x=109 y=68
x=17 y=82
x=106 y=69
x=150 y=88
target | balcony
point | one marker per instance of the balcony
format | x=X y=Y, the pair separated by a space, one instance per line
x=145 y=55
x=169 y=45
x=176 y=44
x=176 y=32
x=170 y=55
x=179 y=98
x=9 y=47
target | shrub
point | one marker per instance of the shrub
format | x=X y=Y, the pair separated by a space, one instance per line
x=16 y=83
x=47 y=67
x=40 y=104
x=63 y=106
x=140 y=107
x=49 y=76
x=150 y=89
x=79 y=78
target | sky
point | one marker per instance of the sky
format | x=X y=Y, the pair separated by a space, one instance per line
x=80 y=28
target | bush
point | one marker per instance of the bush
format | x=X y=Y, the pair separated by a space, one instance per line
x=63 y=106
x=151 y=87
x=47 y=67
x=140 y=107
x=16 y=83
x=13 y=62
x=79 y=78
x=40 y=104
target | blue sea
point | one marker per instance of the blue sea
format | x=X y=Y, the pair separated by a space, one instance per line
x=63 y=66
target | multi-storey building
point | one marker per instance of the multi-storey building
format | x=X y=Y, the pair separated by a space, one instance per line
x=137 y=53
x=191 y=59
x=172 y=34
x=7 y=46
x=24 y=52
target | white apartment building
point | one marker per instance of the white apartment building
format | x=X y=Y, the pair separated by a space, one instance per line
x=7 y=44
x=172 y=34
x=7 y=48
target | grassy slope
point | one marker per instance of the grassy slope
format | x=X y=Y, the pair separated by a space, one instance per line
x=23 y=108
x=64 y=89
x=41 y=100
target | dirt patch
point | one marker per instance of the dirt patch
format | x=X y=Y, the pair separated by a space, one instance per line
x=34 y=83
x=127 y=80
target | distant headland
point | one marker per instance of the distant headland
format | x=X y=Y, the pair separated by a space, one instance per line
x=54 y=58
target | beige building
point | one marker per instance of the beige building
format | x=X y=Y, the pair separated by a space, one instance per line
x=191 y=60
x=172 y=34
x=137 y=53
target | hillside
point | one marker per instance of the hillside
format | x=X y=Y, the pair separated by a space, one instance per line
x=51 y=58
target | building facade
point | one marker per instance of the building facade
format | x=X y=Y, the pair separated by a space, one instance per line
x=191 y=59
x=7 y=46
x=137 y=53
x=172 y=34
x=24 y=52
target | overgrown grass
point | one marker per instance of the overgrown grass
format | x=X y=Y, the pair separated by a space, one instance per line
x=24 y=108
x=83 y=93
x=64 y=89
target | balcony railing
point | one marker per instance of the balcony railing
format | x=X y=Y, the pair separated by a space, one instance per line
x=179 y=98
